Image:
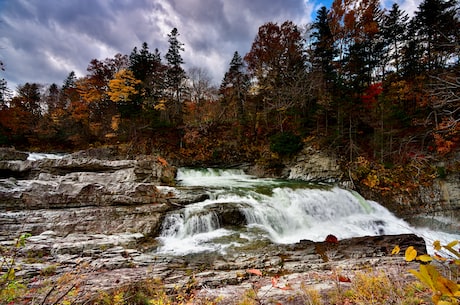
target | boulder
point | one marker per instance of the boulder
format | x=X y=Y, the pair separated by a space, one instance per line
x=7 y=154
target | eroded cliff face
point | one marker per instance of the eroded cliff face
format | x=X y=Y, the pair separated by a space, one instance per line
x=436 y=206
x=315 y=165
x=80 y=194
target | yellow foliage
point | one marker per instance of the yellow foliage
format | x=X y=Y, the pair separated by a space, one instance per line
x=90 y=90
x=371 y=289
x=437 y=245
x=161 y=105
x=444 y=291
x=122 y=86
x=371 y=180
x=424 y=258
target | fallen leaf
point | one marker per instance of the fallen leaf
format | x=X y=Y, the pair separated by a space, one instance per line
x=410 y=254
x=344 y=279
x=275 y=281
x=255 y=271
x=396 y=250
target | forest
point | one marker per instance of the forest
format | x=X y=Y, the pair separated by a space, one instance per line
x=368 y=83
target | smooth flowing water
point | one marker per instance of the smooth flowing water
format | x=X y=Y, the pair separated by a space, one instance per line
x=267 y=210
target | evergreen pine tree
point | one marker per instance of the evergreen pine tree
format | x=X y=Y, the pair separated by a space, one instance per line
x=394 y=31
x=175 y=75
x=235 y=85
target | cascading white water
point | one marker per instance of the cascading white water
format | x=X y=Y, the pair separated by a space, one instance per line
x=40 y=156
x=279 y=211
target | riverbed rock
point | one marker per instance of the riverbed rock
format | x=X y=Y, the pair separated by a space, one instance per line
x=314 y=165
x=106 y=262
x=78 y=194
x=8 y=154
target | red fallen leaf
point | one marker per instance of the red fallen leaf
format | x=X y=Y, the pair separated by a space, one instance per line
x=255 y=271
x=344 y=279
x=275 y=281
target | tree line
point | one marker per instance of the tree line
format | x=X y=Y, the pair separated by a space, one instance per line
x=359 y=79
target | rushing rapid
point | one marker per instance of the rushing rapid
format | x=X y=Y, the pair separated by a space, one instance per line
x=244 y=210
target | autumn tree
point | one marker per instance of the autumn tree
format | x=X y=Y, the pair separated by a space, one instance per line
x=175 y=75
x=94 y=108
x=445 y=106
x=277 y=62
x=123 y=86
x=21 y=117
x=200 y=105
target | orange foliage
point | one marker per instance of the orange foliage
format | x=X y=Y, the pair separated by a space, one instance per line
x=162 y=161
x=443 y=146
x=90 y=89
x=79 y=111
x=15 y=119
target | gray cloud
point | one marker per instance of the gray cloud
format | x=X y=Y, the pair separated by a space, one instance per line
x=43 y=41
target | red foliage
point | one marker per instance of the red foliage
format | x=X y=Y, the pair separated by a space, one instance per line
x=369 y=98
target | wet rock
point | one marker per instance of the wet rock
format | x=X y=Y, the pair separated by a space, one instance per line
x=314 y=165
x=81 y=195
x=12 y=154
x=117 y=260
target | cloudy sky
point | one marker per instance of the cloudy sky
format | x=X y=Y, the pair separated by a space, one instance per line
x=42 y=41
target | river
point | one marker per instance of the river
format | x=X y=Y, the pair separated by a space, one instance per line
x=272 y=211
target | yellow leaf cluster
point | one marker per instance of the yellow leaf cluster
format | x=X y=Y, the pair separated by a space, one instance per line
x=161 y=105
x=445 y=291
x=122 y=86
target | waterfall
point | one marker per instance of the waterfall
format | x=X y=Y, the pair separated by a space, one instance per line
x=277 y=211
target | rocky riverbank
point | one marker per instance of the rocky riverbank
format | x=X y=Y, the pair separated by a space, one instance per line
x=101 y=263
x=96 y=218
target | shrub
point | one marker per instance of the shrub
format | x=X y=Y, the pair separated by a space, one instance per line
x=285 y=143
x=443 y=285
